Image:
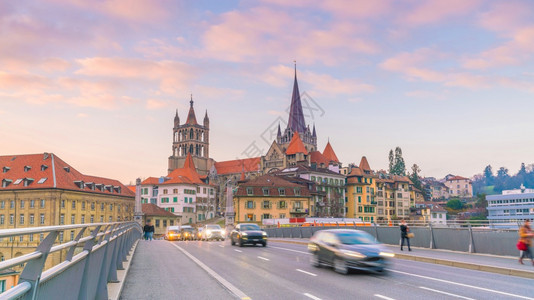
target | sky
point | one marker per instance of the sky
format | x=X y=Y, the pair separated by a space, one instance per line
x=98 y=82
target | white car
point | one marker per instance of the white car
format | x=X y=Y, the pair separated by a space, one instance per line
x=212 y=232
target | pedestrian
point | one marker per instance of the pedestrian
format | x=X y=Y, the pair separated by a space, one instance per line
x=148 y=230
x=404 y=235
x=525 y=237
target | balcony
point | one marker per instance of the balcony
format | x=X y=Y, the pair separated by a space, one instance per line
x=298 y=211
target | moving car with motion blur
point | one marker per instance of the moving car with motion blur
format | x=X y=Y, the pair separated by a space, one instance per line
x=172 y=233
x=248 y=233
x=346 y=249
x=198 y=233
x=187 y=233
x=213 y=232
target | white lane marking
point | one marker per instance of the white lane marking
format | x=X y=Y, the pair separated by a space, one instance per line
x=237 y=250
x=221 y=246
x=445 y=293
x=306 y=272
x=462 y=284
x=213 y=274
x=263 y=258
x=383 y=297
x=311 y=296
x=290 y=250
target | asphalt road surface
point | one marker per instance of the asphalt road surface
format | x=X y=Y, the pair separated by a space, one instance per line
x=217 y=270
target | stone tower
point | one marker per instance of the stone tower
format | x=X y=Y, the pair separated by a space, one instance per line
x=193 y=138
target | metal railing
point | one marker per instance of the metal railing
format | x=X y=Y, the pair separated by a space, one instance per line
x=91 y=260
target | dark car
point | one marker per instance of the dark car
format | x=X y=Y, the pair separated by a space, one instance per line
x=248 y=234
x=187 y=234
x=346 y=249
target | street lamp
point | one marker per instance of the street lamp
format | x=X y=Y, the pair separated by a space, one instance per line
x=229 y=211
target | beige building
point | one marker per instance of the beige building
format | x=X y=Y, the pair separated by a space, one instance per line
x=459 y=187
x=43 y=190
x=159 y=217
x=271 y=197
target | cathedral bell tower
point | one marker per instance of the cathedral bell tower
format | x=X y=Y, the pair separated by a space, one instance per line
x=193 y=138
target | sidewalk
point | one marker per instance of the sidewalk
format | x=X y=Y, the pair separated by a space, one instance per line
x=483 y=262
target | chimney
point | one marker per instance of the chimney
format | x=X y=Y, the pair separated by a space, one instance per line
x=45 y=156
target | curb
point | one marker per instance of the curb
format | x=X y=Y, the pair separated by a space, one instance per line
x=115 y=289
x=452 y=263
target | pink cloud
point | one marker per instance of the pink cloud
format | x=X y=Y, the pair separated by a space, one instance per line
x=506 y=16
x=433 y=11
x=156 y=104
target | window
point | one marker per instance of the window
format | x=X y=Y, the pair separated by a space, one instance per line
x=21 y=221
x=111 y=207
x=72 y=235
x=297 y=192
x=73 y=204
x=62 y=204
x=250 y=191
x=21 y=238
x=266 y=204
x=62 y=219
x=22 y=203
x=265 y=216
x=61 y=236
x=175 y=191
x=11 y=219
x=164 y=191
x=282 y=216
x=171 y=223
x=30 y=237
x=2 y=204
x=92 y=206
x=32 y=219
x=165 y=223
x=42 y=216
x=12 y=204
x=359 y=199
x=101 y=206
x=83 y=205
x=2 y=220
x=282 y=191
x=101 y=219
x=157 y=222
x=265 y=191
x=83 y=219
x=175 y=199
x=250 y=204
x=42 y=203
x=282 y=204
x=110 y=219
x=92 y=219
x=73 y=219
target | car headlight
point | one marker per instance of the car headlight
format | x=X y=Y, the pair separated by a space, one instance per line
x=264 y=233
x=386 y=254
x=223 y=232
x=312 y=247
x=352 y=253
x=244 y=234
x=208 y=232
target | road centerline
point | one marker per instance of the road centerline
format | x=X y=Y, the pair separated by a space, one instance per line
x=263 y=258
x=237 y=250
x=383 y=297
x=302 y=252
x=305 y=272
x=445 y=293
x=312 y=296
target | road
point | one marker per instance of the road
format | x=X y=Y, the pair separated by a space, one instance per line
x=208 y=270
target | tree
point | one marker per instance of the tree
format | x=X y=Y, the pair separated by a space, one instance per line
x=396 y=162
x=391 y=161
x=414 y=176
x=502 y=179
x=455 y=204
x=488 y=175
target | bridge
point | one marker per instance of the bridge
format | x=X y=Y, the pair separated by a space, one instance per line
x=162 y=269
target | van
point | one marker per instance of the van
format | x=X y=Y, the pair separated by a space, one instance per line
x=172 y=233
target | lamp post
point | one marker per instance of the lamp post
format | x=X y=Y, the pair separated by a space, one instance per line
x=229 y=211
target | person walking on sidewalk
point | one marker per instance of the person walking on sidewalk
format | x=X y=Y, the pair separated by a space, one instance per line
x=148 y=230
x=404 y=235
x=525 y=236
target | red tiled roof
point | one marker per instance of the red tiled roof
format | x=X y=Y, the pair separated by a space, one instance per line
x=318 y=158
x=364 y=165
x=187 y=174
x=457 y=178
x=131 y=187
x=53 y=172
x=296 y=145
x=150 y=209
x=329 y=153
x=356 y=171
x=150 y=180
x=236 y=166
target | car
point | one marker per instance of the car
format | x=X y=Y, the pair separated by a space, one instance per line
x=173 y=234
x=248 y=233
x=187 y=233
x=212 y=232
x=198 y=233
x=347 y=249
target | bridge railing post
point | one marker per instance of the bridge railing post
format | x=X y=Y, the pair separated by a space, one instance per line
x=70 y=254
x=102 y=289
x=88 y=247
x=471 y=240
x=432 y=242
x=34 y=268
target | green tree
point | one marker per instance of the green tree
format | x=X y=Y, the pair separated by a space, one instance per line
x=414 y=176
x=455 y=204
x=396 y=162
x=488 y=175
x=391 y=161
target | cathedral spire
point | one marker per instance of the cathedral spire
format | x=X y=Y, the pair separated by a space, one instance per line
x=176 y=119
x=314 y=134
x=296 y=116
x=279 y=131
x=191 y=119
